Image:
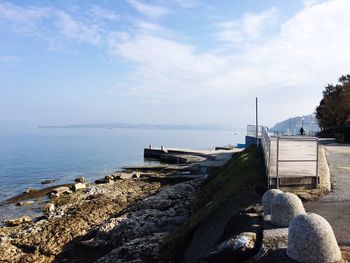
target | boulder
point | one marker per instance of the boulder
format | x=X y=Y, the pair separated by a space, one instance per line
x=62 y=190
x=284 y=208
x=25 y=203
x=106 y=180
x=80 y=179
x=235 y=249
x=135 y=175
x=267 y=200
x=53 y=195
x=109 y=177
x=49 y=207
x=125 y=176
x=311 y=239
x=79 y=186
x=50 y=181
x=18 y=221
x=100 y=181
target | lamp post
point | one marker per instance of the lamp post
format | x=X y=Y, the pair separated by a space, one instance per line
x=256 y=122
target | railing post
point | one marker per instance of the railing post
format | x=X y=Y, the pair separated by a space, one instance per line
x=277 y=160
x=269 y=162
x=317 y=149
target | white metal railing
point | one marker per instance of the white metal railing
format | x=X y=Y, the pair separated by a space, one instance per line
x=251 y=130
x=265 y=143
x=279 y=152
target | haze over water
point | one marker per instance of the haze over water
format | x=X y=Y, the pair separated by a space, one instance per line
x=30 y=156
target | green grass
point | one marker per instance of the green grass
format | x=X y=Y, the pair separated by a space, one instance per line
x=231 y=189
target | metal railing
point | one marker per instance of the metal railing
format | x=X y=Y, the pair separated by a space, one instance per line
x=282 y=151
x=251 y=130
x=266 y=145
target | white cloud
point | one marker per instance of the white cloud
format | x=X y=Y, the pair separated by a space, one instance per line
x=37 y=21
x=23 y=20
x=250 y=27
x=100 y=12
x=152 y=11
x=287 y=66
x=188 y=3
x=288 y=69
x=310 y=2
x=76 y=30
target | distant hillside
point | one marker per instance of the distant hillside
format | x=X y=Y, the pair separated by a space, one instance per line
x=295 y=123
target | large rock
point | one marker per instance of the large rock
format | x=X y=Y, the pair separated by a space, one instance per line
x=18 y=221
x=234 y=249
x=160 y=213
x=80 y=179
x=79 y=186
x=284 y=208
x=48 y=208
x=311 y=239
x=62 y=190
x=143 y=249
x=49 y=181
x=267 y=200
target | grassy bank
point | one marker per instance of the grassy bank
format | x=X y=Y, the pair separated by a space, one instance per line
x=234 y=187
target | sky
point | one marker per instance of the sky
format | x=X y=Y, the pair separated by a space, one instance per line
x=169 y=61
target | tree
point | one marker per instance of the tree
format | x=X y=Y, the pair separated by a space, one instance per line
x=333 y=113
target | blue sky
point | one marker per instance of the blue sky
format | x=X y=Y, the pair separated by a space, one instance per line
x=174 y=61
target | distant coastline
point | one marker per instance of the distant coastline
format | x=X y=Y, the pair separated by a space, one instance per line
x=206 y=127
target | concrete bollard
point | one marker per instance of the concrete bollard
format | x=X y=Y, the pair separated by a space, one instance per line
x=311 y=239
x=284 y=208
x=267 y=200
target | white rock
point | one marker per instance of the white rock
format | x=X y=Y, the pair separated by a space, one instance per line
x=125 y=176
x=79 y=186
x=54 y=195
x=136 y=175
x=267 y=199
x=311 y=239
x=284 y=208
x=49 y=207
x=62 y=190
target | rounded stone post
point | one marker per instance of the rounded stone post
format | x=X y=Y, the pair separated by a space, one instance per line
x=267 y=200
x=284 y=208
x=311 y=239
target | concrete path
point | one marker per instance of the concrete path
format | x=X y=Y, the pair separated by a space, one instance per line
x=335 y=207
x=293 y=149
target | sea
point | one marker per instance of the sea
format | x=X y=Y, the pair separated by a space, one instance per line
x=31 y=155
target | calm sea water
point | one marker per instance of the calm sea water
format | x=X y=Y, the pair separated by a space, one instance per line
x=30 y=156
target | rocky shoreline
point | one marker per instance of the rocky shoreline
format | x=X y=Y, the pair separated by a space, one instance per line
x=121 y=218
x=108 y=220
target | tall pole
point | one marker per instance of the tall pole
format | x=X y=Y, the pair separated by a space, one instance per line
x=256 y=122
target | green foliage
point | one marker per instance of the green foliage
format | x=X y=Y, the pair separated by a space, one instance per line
x=333 y=113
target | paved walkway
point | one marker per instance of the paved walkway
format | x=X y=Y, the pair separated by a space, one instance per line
x=335 y=206
x=293 y=149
